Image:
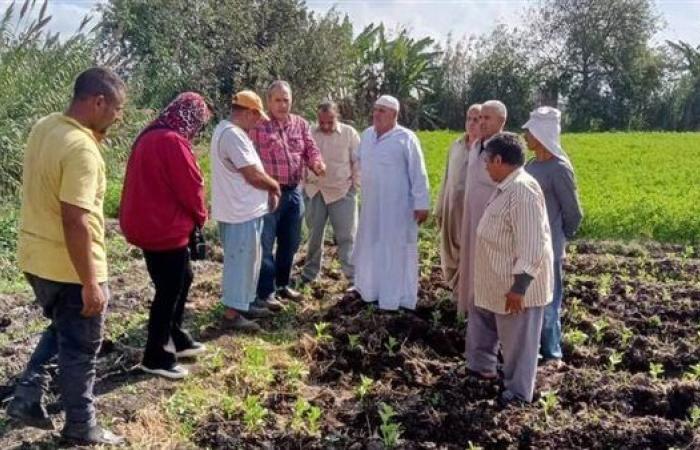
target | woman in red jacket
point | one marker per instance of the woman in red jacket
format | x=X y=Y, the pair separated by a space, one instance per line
x=162 y=202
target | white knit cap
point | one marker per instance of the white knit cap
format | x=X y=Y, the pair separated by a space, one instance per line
x=545 y=126
x=388 y=101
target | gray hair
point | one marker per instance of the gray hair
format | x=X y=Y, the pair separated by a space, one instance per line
x=498 y=106
x=327 y=106
x=278 y=84
x=474 y=107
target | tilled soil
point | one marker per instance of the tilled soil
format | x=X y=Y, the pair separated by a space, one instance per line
x=631 y=321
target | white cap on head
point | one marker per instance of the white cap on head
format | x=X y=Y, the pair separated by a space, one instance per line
x=545 y=126
x=388 y=101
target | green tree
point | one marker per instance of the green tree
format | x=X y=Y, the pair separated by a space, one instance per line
x=220 y=46
x=596 y=55
x=500 y=71
x=688 y=88
x=398 y=65
x=37 y=70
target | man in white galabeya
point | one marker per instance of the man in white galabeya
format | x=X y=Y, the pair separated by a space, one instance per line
x=394 y=202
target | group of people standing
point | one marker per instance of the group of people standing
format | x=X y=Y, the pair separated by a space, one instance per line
x=504 y=225
x=503 y=228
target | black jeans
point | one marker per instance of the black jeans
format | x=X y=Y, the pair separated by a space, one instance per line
x=171 y=273
x=71 y=339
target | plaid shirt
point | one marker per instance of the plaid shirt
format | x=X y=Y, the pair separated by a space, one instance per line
x=285 y=148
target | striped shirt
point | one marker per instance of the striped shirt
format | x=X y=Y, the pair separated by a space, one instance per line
x=285 y=148
x=513 y=237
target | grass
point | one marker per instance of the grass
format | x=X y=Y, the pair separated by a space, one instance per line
x=633 y=186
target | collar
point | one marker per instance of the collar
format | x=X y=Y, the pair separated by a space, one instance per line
x=507 y=181
x=96 y=136
x=336 y=129
x=385 y=135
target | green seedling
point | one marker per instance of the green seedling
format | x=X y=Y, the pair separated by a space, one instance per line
x=575 y=337
x=354 y=341
x=391 y=345
x=695 y=416
x=614 y=360
x=693 y=374
x=654 y=322
x=600 y=326
x=548 y=402
x=626 y=336
x=389 y=430
x=323 y=332
x=254 y=413
x=365 y=387
x=656 y=370
x=473 y=446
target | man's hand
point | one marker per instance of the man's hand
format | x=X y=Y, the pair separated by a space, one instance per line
x=318 y=168
x=273 y=201
x=421 y=215
x=94 y=300
x=514 y=303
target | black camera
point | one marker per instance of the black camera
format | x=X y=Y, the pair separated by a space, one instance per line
x=198 y=246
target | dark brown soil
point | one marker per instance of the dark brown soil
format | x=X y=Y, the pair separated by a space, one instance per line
x=636 y=305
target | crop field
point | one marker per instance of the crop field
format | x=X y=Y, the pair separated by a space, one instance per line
x=332 y=373
x=632 y=185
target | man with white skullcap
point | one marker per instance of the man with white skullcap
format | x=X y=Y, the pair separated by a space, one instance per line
x=553 y=171
x=395 y=201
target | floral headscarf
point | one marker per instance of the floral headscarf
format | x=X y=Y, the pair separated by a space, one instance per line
x=186 y=115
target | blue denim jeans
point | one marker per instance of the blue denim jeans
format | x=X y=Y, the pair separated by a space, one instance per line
x=550 y=346
x=242 y=256
x=283 y=227
x=73 y=341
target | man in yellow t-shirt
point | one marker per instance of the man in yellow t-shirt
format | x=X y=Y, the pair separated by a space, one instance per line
x=62 y=253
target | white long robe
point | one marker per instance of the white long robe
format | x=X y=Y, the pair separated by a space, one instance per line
x=394 y=184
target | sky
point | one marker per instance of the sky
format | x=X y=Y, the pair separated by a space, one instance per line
x=434 y=18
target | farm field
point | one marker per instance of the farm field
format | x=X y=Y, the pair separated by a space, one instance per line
x=331 y=373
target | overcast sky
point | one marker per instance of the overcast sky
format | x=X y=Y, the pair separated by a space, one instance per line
x=435 y=18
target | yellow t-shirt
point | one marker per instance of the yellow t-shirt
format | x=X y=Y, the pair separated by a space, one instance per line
x=62 y=163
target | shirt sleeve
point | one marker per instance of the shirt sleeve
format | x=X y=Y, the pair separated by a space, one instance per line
x=239 y=149
x=188 y=184
x=417 y=175
x=527 y=217
x=311 y=152
x=80 y=178
x=564 y=187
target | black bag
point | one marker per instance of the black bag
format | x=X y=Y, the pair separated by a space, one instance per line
x=198 y=246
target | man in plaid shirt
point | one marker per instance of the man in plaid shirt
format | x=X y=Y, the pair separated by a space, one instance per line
x=285 y=146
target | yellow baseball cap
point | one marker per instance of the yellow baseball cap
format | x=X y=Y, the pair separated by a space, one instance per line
x=250 y=100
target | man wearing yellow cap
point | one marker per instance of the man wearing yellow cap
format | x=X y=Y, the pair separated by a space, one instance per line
x=242 y=193
x=555 y=174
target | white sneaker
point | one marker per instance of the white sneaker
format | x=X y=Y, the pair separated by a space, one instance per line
x=197 y=348
x=176 y=372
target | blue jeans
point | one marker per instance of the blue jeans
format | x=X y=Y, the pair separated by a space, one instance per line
x=71 y=339
x=242 y=258
x=282 y=226
x=550 y=346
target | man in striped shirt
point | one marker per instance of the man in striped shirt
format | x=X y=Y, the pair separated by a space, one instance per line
x=514 y=276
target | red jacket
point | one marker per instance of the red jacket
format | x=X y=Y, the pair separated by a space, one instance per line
x=163 y=195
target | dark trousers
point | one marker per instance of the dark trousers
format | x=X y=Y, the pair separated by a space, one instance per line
x=284 y=227
x=171 y=273
x=73 y=341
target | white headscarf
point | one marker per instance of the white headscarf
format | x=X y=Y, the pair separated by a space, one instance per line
x=545 y=126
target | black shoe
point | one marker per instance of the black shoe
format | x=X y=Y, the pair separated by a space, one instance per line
x=255 y=312
x=287 y=292
x=94 y=436
x=270 y=303
x=32 y=414
x=174 y=372
x=194 y=349
x=508 y=400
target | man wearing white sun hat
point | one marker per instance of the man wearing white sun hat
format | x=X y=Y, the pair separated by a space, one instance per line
x=395 y=201
x=553 y=171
